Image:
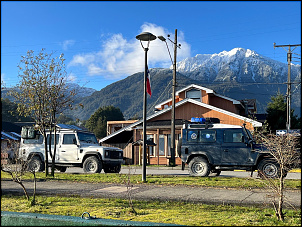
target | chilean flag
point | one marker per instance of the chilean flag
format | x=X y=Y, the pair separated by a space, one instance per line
x=148 y=83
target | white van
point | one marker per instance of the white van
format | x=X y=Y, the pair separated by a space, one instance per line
x=75 y=148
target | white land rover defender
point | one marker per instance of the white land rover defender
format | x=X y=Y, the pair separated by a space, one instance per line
x=75 y=147
x=213 y=147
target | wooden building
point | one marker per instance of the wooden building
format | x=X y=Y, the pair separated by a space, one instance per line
x=191 y=101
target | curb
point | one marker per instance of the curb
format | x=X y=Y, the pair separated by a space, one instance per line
x=179 y=168
x=9 y=218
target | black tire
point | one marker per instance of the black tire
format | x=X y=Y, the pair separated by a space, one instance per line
x=268 y=169
x=36 y=164
x=199 y=167
x=62 y=169
x=216 y=172
x=112 y=169
x=92 y=165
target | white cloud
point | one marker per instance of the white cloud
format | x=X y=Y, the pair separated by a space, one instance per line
x=71 y=77
x=67 y=43
x=119 y=57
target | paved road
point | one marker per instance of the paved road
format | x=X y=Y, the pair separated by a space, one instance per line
x=153 y=192
x=208 y=195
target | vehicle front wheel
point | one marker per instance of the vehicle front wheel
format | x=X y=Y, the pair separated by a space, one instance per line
x=200 y=167
x=35 y=164
x=268 y=169
x=92 y=165
x=216 y=172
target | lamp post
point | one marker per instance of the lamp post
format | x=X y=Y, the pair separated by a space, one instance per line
x=145 y=36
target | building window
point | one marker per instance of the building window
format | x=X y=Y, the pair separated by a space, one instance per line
x=194 y=94
x=151 y=148
x=169 y=144
x=161 y=145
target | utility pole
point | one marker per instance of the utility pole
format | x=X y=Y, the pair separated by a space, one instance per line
x=172 y=147
x=288 y=95
x=172 y=163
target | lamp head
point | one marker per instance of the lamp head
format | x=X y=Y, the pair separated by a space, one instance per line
x=146 y=36
x=161 y=38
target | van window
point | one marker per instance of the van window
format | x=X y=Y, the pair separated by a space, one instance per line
x=52 y=139
x=69 y=139
x=201 y=136
x=38 y=140
x=233 y=136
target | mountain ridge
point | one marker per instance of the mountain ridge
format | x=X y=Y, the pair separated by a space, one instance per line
x=239 y=74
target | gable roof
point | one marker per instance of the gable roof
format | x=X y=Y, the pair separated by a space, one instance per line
x=182 y=102
x=189 y=87
x=207 y=90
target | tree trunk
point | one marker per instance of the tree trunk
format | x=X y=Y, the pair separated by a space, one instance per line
x=46 y=152
x=281 y=197
x=54 y=153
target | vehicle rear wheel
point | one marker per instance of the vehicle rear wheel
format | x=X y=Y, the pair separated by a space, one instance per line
x=92 y=165
x=268 y=169
x=200 y=167
x=35 y=164
x=62 y=169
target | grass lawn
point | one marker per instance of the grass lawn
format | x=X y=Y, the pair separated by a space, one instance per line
x=153 y=211
x=184 y=213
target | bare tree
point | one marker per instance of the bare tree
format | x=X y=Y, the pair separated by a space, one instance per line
x=18 y=170
x=42 y=93
x=127 y=181
x=286 y=152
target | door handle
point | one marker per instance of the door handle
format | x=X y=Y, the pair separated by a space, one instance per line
x=226 y=150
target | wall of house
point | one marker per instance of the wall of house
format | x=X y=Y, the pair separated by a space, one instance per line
x=223 y=104
x=189 y=110
x=205 y=98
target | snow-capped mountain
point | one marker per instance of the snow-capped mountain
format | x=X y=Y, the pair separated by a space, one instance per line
x=237 y=65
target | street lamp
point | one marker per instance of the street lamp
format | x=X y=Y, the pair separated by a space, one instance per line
x=172 y=160
x=145 y=36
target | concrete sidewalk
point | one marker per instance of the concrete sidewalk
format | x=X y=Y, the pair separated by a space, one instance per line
x=205 y=195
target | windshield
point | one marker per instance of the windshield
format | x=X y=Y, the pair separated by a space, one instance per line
x=87 y=138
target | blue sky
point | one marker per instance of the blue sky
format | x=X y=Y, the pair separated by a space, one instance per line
x=98 y=37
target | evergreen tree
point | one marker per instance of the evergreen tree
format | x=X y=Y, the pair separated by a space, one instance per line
x=97 y=123
x=10 y=113
x=276 y=114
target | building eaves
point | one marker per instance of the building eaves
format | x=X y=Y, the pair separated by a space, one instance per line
x=195 y=86
x=8 y=135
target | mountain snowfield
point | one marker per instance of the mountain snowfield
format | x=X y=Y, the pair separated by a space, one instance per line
x=239 y=74
x=237 y=65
